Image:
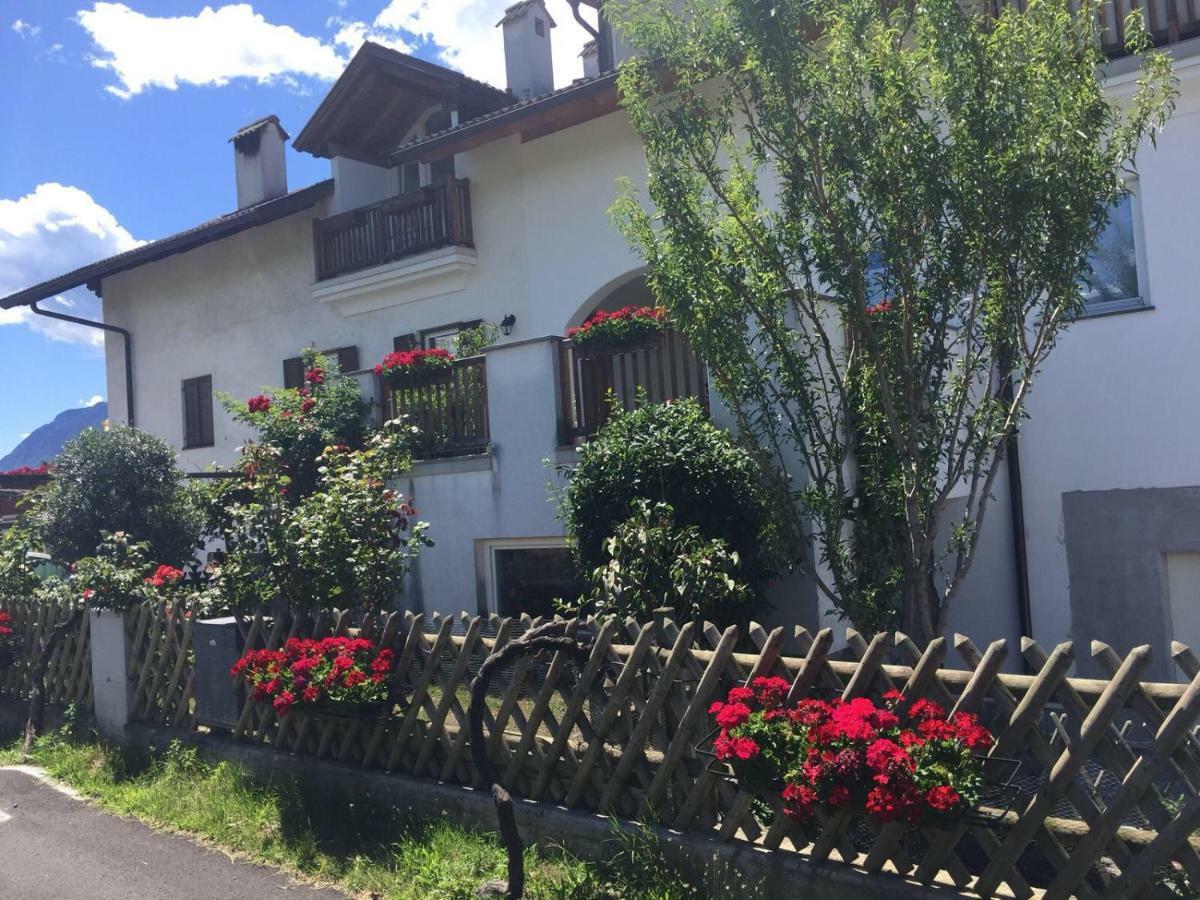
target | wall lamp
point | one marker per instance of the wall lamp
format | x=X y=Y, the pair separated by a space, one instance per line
x=507 y=323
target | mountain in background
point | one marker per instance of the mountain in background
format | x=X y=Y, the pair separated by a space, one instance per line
x=43 y=444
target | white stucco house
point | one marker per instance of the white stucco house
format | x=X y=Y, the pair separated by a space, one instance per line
x=451 y=201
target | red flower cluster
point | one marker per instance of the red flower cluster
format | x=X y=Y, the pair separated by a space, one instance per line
x=883 y=306
x=405 y=362
x=898 y=762
x=165 y=576
x=315 y=375
x=260 y=403
x=626 y=325
x=43 y=469
x=6 y=631
x=335 y=670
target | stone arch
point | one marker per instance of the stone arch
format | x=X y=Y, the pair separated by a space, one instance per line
x=627 y=288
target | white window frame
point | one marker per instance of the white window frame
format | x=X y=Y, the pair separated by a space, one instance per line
x=489 y=547
x=437 y=334
x=1095 y=308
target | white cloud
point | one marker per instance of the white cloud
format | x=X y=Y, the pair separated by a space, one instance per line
x=466 y=34
x=210 y=48
x=92 y=401
x=53 y=230
x=25 y=29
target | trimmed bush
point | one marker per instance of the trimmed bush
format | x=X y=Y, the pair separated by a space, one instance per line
x=670 y=453
x=123 y=480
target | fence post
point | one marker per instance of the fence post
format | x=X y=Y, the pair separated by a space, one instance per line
x=110 y=672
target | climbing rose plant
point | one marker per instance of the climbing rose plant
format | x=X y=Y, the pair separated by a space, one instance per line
x=310 y=673
x=6 y=630
x=900 y=762
x=627 y=325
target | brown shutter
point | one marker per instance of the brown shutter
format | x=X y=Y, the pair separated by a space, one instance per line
x=293 y=372
x=404 y=342
x=197 y=412
x=347 y=358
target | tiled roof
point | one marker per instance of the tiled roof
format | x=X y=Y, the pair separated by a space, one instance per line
x=581 y=86
x=518 y=9
x=257 y=125
x=207 y=232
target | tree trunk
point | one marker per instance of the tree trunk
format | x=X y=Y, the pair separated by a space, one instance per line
x=37 y=686
x=921 y=619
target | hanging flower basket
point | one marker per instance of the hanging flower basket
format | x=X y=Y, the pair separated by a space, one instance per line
x=414 y=368
x=901 y=762
x=335 y=676
x=628 y=329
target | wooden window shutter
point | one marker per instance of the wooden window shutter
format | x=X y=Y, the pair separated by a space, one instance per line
x=347 y=359
x=198 y=412
x=293 y=372
x=404 y=342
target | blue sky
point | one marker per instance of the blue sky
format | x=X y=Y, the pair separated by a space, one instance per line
x=116 y=117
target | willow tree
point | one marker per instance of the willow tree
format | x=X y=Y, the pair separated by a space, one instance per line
x=873 y=220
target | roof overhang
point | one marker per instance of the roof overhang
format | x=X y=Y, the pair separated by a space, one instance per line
x=532 y=119
x=214 y=230
x=378 y=99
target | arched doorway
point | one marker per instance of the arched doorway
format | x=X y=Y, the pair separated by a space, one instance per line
x=656 y=372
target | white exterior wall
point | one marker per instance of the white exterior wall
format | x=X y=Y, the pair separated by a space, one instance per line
x=1110 y=410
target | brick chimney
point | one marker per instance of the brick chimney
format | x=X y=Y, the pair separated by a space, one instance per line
x=259 y=162
x=527 y=59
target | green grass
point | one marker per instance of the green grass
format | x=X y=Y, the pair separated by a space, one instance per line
x=364 y=849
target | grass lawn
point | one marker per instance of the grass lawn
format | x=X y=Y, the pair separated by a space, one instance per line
x=366 y=851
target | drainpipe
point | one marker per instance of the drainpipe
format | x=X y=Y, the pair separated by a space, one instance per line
x=123 y=332
x=1016 y=500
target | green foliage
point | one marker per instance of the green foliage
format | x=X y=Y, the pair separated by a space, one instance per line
x=471 y=341
x=363 y=847
x=653 y=562
x=958 y=166
x=300 y=422
x=348 y=543
x=670 y=453
x=18 y=569
x=123 y=480
x=116 y=577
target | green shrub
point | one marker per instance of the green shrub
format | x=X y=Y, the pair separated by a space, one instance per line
x=123 y=480
x=670 y=453
x=653 y=562
x=471 y=341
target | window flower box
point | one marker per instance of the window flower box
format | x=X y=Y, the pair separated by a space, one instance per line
x=336 y=676
x=630 y=328
x=414 y=368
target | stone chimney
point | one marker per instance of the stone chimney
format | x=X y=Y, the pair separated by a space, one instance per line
x=527 y=59
x=591 y=59
x=259 y=163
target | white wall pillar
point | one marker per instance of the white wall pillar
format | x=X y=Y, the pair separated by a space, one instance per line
x=110 y=668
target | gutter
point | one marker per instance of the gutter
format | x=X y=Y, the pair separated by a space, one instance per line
x=104 y=326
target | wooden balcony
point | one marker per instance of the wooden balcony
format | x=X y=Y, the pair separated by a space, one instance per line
x=433 y=217
x=588 y=382
x=451 y=411
x=1167 y=20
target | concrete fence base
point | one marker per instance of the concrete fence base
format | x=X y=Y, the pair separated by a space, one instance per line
x=110 y=672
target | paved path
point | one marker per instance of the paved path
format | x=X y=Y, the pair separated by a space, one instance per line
x=55 y=847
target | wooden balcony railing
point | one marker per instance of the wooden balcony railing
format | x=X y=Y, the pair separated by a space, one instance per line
x=666 y=371
x=1167 y=20
x=451 y=412
x=435 y=216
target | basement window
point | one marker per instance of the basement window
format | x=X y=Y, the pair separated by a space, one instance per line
x=527 y=575
x=197 y=412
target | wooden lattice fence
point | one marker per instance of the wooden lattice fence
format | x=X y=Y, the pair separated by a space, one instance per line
x=68 y=677
x=1110 y=768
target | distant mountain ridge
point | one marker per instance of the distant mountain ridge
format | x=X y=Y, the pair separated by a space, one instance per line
x=44 y=443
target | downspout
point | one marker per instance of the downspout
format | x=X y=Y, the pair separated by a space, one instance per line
x=1016 y=499
x=123 y=332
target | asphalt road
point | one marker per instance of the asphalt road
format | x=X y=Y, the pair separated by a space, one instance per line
x=56 y=847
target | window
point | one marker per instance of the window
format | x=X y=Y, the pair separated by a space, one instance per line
x=410 y=178
x=403 y=342
x=1113 y=280
x=441 y=337
x=293 y=368
x=539 y=27
x=528 y=575
x=197 y=412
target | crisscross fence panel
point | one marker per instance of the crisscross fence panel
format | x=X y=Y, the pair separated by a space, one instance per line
x=161 y=671
x=68 y=676
x=1107 y=802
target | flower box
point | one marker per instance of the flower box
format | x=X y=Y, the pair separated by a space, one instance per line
x=335 y=676
x=416 y=368
x=900 y=762
x=628 y=329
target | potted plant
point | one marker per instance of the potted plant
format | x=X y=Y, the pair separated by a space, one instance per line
x=899 y=762
x=628 y=328
x=412 y=368
x=334 y=676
